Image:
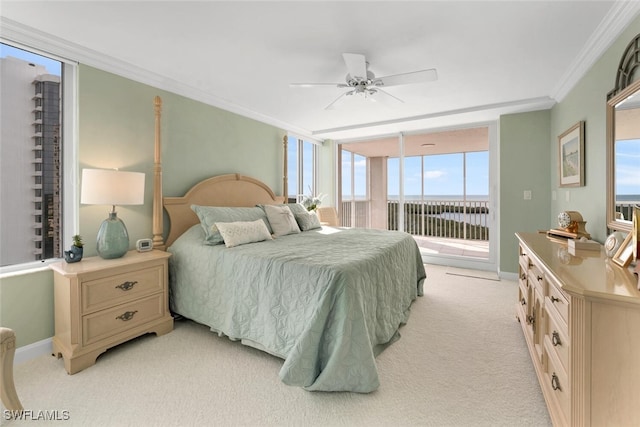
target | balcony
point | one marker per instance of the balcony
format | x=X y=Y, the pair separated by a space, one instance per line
x=446 y=227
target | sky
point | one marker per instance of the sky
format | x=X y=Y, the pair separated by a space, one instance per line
x=53 y=67
x=443 y=175
x=628 y=167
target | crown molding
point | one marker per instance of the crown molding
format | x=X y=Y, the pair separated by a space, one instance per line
x=612 y=25
x=34 y=39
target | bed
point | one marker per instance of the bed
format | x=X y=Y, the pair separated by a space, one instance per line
x=326 y=300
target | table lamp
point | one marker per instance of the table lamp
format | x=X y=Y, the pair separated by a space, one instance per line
x=112 y=187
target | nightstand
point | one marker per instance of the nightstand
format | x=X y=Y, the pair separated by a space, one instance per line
x=100 y=303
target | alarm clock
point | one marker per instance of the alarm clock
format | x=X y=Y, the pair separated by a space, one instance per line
x=570 y=224
x=144 y=245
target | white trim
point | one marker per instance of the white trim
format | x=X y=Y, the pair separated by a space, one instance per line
x=540 y=103
x=31 y=351
x=508 y=276
x=607 y=32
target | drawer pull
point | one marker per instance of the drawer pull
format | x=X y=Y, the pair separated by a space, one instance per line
x=539 y=278
x=555 y=339
x=127 y=286
x=555 y=382
x=127 y=315
x=523 y=276
x=523 y=301
x=531 y=320
x=554 y=299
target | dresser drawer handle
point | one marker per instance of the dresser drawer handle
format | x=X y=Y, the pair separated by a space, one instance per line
x=523 y=301
x=523 y=276
x=554 y=299
x=531 y=320
x=555 y=339
x=555 y=382
x=539 y=278
x=127 y=286
x=127 y=315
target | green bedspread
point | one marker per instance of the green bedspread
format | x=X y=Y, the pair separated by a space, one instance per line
x=326 y=301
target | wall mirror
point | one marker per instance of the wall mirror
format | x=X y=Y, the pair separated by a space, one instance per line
x=623 y=141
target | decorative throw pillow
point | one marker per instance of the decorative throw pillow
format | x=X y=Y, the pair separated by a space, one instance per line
x=297 y=208
x=209 y=215
x=281 y=219
x=307 y=221
x=242 y=232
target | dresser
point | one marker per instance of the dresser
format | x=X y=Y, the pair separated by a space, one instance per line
x=100 y=303
x=580 y=314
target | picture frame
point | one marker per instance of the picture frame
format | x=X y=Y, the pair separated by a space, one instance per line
x=571 y=156
x=624 y=255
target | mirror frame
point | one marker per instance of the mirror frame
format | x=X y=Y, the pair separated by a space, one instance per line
x=625 y=86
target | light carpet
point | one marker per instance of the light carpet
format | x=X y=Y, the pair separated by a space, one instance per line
x=461 y=361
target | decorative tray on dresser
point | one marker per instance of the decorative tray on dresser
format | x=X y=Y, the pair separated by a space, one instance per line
x=580 y=314
x=100 y=303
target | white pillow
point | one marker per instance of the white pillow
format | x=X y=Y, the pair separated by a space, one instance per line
x=241 y=232
x=282 y=220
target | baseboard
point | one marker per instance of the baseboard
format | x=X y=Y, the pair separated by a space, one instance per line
x=508 y=276
x=31 y=351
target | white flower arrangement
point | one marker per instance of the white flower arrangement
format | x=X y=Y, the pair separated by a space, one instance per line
x=312 y=202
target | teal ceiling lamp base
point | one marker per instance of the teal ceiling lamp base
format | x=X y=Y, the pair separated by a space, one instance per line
x=113 y=239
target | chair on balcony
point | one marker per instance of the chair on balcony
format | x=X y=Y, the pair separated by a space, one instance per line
x=7 y=388
x=328 y=216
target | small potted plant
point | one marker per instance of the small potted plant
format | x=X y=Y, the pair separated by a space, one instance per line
x=75 y=253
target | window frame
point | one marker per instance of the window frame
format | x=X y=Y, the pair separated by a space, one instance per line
x=69 y=185
x=300 y=164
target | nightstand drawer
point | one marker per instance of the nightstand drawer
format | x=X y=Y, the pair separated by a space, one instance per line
x=113 y=290
x=106 y=323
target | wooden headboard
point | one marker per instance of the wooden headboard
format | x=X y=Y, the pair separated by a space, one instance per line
x=232 y=190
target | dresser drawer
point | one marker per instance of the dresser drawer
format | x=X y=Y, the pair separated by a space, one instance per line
x=558 y=339
x=537 y=279
x=523 y=258
x=118 y=289
x=559 y=302
x=103 y=324
x=557 y=382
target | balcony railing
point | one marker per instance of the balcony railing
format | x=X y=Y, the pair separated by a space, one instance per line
x=625 y=209
x=433 y=218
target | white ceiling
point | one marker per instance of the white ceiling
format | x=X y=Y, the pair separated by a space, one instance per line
x=492 y=58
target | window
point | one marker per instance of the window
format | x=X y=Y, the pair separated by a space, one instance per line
x=36 y=90
x=301 y=168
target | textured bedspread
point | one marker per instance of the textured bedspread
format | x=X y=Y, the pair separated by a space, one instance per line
x=326 y=301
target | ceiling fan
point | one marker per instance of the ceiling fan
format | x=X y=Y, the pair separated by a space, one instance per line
x=361 y=81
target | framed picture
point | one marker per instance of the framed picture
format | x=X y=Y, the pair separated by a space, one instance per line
x=625 y=252
x=571 y=156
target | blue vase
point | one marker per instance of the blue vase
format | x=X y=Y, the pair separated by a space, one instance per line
x=113 y=239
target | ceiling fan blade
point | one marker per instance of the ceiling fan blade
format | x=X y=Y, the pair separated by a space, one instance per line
x=317 y=84
x=408 y=78
x=356 y=65
x=386 y=96
x=338 y=100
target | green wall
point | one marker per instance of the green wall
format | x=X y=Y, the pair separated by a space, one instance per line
x=524 y=165
x=587 y=101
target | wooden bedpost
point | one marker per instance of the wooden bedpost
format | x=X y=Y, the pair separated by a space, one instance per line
x=158 y=241
x=285 y=181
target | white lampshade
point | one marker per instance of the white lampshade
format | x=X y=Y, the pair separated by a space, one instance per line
x=112 y=187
